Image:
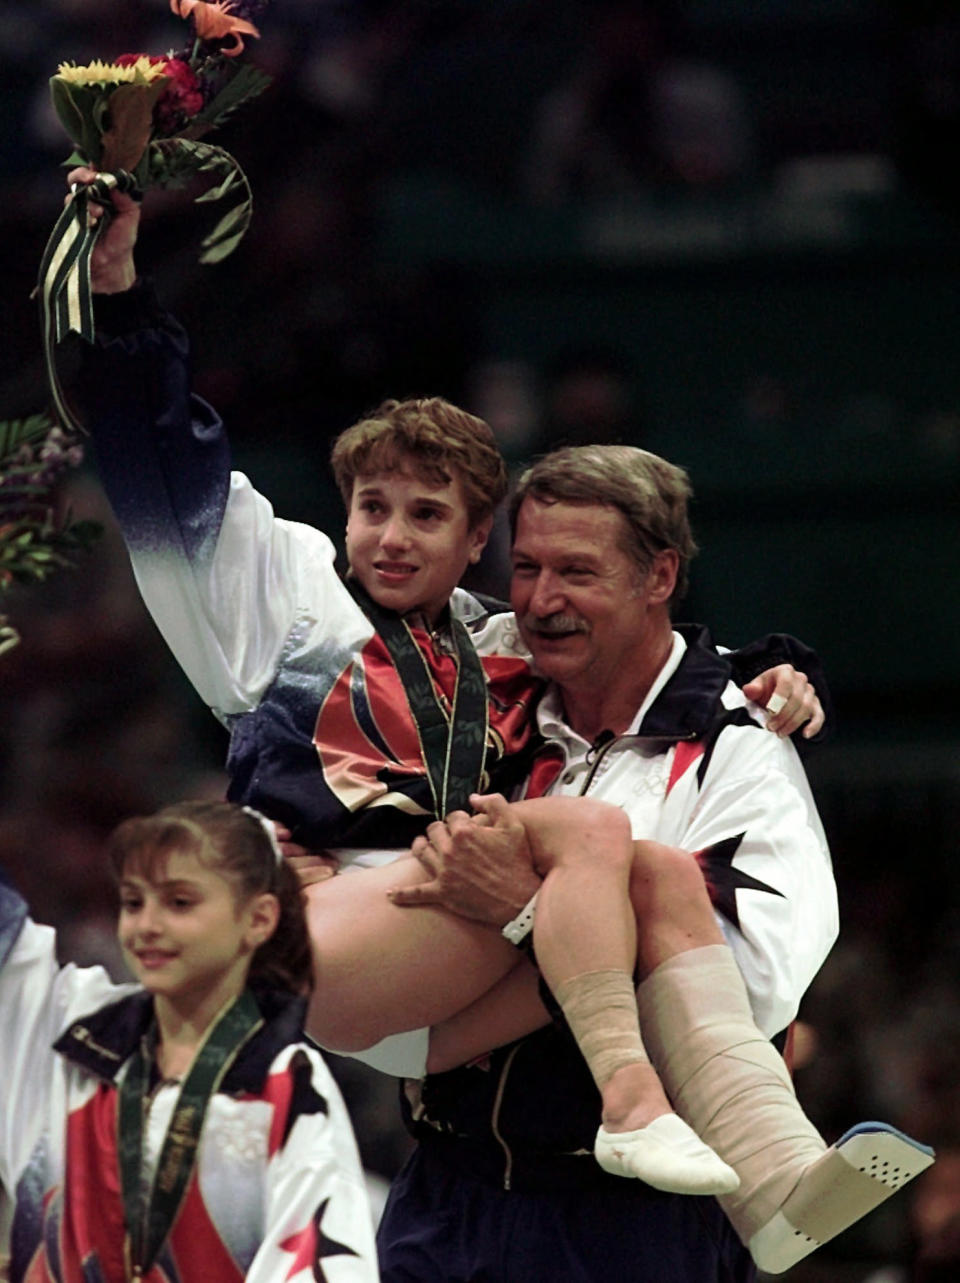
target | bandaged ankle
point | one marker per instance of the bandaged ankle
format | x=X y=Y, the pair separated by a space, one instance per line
x=601 y=1009
x=726 y=1080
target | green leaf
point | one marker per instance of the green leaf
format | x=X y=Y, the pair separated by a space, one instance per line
x=9 y=637
x=18 y=432
x=227 y=234
x=173 y=160
x=100 y=114
x=232 y=180
x=237 y=217
x=67 y=109
x=247 y=82
x=76 y=107
x=223 y=249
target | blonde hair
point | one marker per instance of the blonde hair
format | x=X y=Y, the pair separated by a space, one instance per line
x=435 y=439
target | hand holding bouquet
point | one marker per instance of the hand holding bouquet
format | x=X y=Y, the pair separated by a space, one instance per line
x=139 y=122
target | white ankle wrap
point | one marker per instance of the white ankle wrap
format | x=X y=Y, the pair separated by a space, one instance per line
x=601 y=1010
x=727 y=1080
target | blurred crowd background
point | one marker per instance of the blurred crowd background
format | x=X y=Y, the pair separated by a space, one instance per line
x=725 y=230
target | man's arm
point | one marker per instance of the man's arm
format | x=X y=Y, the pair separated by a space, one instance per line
x=753 y=824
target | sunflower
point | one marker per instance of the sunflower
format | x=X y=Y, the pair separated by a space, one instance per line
x=141 y=71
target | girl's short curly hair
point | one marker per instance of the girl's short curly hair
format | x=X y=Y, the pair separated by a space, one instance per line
x=434 y=438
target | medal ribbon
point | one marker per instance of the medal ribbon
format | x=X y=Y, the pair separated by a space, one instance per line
x=150 y=1215
x=63 y=285
x=453 y=746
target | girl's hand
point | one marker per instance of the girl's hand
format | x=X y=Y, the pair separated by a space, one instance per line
x=789 y=699
x=309 y=866
x=311 y=869
x=112 y=268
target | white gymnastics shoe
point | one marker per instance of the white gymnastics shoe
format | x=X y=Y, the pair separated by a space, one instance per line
x=867 y=1164
x=668 y=1155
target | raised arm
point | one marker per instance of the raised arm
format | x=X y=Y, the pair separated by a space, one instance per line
x=112 y=266
x=223 y=579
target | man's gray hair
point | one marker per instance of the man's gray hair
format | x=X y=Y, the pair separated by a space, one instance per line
x=651 y=494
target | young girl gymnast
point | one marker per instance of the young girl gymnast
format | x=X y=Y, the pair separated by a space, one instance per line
x=182 y=1127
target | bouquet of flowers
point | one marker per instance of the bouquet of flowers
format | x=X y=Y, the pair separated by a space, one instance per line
x=34 y=540
x=144 y=115
x=139 y=122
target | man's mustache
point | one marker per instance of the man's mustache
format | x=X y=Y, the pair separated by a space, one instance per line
x=554 y=625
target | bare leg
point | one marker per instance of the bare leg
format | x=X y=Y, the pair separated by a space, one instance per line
x=511 y=1009
x=380 y=969
x=665 y=886
x=585 y=935
x=585 y=939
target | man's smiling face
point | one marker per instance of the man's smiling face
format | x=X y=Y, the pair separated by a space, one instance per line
x=581 y=601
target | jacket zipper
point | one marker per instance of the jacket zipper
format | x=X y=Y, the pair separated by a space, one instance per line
x=600 y=753
x=495 y=1120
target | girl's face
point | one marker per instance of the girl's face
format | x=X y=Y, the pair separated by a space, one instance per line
x=183 y=933
x=409 y=540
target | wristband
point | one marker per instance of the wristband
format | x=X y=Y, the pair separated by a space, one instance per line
x=519 y=929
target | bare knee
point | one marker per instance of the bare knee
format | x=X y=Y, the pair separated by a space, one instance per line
x=565 y=830
x=660 y=872
x=671 y=901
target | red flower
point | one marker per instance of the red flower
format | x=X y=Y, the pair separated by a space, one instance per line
x=182 y=97
x=183 y=93
x=128 y=59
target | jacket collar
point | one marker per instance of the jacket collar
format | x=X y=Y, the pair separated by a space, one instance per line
x=683 y=709
x=689 y=701
x=102 y=1042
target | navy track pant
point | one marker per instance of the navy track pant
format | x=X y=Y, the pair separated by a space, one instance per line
x=442 y=1227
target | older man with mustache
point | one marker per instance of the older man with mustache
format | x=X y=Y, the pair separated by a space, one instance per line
x=736 y=910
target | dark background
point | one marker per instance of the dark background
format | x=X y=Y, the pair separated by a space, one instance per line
x=726 y=230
